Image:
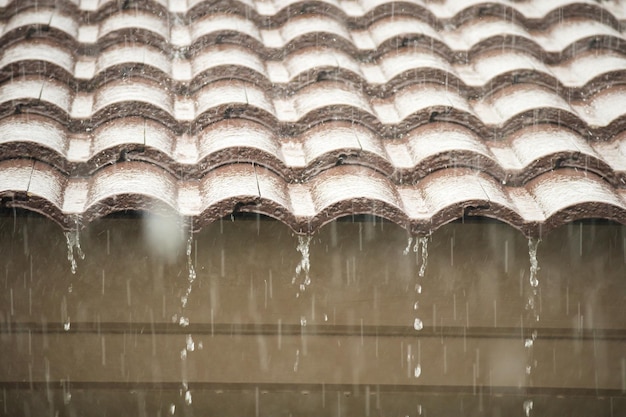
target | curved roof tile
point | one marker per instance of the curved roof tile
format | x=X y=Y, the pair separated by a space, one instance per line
x=306 y=111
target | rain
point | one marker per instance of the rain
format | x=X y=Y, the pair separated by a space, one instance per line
x=455 y=323
x=324 y=208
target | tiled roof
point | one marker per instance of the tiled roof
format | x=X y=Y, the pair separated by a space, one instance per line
x=421 y=112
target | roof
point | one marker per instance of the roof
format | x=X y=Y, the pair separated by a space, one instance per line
x=421 y=112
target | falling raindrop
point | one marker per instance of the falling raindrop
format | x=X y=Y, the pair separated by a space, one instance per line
x=191 y=346
x=297 y=362
x=188 y=398
x=172 y=409
x=67 y=395
x=418 y=324
x=417 y=372
x=528 y=406
x=67 y=324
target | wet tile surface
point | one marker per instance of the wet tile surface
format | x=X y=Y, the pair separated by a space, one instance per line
x=419 y=112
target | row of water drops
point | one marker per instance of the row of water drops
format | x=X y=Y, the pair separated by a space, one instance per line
x=72 y=239
x=533 y=313
x=421 y=247
x=74 y=249
x=183 y=321
x=302 y=280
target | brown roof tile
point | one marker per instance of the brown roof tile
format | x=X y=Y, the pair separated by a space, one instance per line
x=419 y=112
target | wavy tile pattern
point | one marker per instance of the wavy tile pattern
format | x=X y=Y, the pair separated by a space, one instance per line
x=419 y=112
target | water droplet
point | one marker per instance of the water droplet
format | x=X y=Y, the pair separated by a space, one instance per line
x=416 y=305
x=183 y=354
x=172 y=409
x=191 y=346
x=528 y=406
x=303 y=321
x=188 y=397
x=418 y=324
x=418 y=371
x=296 y=363
x=67 y=324
x=418 y=288
x=183 y=321
x=528 y=343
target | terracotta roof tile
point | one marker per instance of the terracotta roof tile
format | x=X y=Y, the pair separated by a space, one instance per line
x=420 y=112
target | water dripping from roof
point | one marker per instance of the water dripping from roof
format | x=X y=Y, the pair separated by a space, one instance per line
x=183 y=321
x=302 y=277
x=421 y=245
x=420 y=248
x=423 y=242
x=72 y=239
x=534 y=265
x=408 y=246
x=533 y=312
x=191 y=271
